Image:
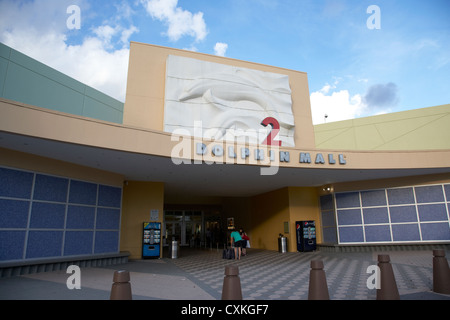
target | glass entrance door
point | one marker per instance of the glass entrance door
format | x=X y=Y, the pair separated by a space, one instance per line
x=194 y=228
x=183 y=226
x=173 y=226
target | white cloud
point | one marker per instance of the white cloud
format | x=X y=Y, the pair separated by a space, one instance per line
x=47 y=14
x=220 y=49
x=336 y=106
x=96 y=61
x=89 y=62
x=105 y=34
x=100 y=59
x=330 y=105
x=180 y=22
x=191 y=48
x=126 y=34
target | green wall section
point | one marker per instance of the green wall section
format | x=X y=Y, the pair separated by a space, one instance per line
x=26 y=80
x=419 y=129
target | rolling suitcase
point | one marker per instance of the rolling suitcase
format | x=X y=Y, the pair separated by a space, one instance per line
x=228 y=253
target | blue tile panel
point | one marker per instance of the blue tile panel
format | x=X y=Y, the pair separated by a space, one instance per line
x=48 y=216
x=392 y=215
x=328 y=219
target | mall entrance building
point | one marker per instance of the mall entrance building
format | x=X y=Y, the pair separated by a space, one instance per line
x=204 y=143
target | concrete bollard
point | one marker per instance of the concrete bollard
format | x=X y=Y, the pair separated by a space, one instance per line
x=121 y=288
x=231 y=289
x=318 y=288
x=441 y=272
x=388 y=287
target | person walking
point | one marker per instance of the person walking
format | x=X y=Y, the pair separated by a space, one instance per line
x=245 y=242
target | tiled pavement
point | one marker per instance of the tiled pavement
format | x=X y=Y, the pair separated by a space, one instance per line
x=264 y=275
x=270 y=275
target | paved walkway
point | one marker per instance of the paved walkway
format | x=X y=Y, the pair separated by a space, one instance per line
x=264 y=275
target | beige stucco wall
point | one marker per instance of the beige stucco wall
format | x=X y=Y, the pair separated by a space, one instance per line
x=144 y=103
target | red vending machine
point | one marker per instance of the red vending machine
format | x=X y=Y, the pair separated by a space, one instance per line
x=151 y=243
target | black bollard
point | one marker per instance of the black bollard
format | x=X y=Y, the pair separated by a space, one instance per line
x=121 y=288
x=441 y=273
x=231 y=289
x=388 y=287
x=318 y=288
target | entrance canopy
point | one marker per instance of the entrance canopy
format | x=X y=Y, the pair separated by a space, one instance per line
x=146 y=155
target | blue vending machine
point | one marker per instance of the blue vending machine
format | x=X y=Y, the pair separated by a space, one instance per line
x=306 y=235
x=151 y=244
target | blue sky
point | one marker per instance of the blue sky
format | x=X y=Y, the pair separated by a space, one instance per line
x=353 y=71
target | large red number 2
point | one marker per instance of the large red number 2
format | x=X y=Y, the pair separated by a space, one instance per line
x=273 y=133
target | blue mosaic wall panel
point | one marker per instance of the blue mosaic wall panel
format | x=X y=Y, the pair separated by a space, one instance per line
x=447 y=192
x=328 y=219
x=106 y=241
x=83 y=192
x=109 y=196
x=14 y=213
x=108 y=218
x=435 y=231
x=329 y=235
x=44 y=244
x=326 y=202
x=348 y=217
x=347 y=200
x=432 y=212
x=80 y=217
x=43 y=216
x=47 y=215
x=377 y=233
x=11 y=244
x=15 y=183
x=78 y=242
x=50 y=188
x=375 y=215
x=406 y=214
x=373 y=198
x=403 y=214
x=351 y=234
x=405 y=232
x=400 y=196
x=429 y=194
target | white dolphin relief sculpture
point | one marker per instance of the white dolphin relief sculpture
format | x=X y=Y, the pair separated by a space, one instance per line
x=230 y=102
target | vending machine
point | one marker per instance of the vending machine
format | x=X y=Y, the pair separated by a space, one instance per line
x=306 y=235
x=151 y=242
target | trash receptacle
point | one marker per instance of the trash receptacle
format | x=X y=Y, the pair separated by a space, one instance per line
x=174 y=248
x=282 y=244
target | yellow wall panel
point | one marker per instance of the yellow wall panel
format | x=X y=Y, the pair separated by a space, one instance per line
x=139 y=198
x=419 y=129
